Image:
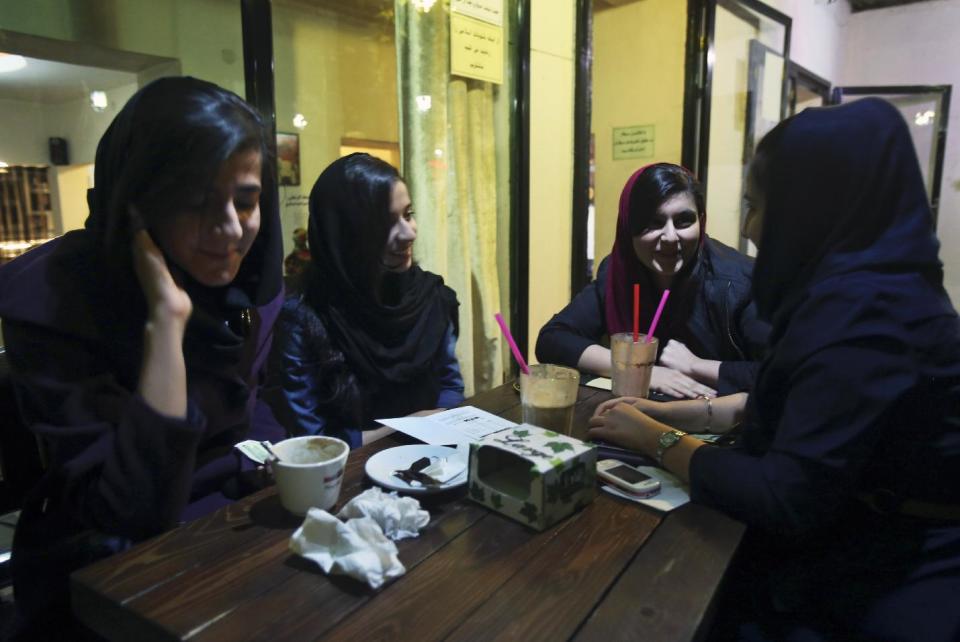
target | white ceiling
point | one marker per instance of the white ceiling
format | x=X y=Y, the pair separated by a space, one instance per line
x=45 y=81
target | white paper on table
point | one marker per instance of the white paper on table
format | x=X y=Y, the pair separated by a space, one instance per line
x=673 y=493
x=603 y=383
x=455 y=426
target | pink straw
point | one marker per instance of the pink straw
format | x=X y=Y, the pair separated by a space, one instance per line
x=513 y=344
x=656 y=317
x=636 y=312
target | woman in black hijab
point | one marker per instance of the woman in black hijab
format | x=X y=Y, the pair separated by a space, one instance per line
x=137 y=343
x=373 y=335
x=848 y=470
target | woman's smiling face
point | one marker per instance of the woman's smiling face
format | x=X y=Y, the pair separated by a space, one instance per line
x=398 y=252
x=670 y=239
x=209 y=239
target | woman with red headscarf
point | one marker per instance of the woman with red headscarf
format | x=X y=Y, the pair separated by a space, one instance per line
x=709 y=332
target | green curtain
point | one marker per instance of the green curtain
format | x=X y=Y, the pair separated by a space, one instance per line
x=453 y=154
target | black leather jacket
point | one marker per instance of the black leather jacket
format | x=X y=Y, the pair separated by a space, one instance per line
x=722 y=322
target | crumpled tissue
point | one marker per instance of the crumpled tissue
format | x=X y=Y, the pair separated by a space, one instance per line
x=357 y=548
x=399 y=517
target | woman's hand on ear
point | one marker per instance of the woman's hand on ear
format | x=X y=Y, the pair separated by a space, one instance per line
x=166 y=300
x=163 y=373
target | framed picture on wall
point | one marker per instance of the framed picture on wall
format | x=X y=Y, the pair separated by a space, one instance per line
x=288 y=159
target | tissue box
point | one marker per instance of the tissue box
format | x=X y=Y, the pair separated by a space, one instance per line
x=533 y=475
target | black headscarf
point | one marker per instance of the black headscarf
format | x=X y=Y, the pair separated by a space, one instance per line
x=388 y=325
x=165 y=145
x=845 y=194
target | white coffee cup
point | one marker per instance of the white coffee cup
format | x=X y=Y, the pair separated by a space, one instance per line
x=309 y=472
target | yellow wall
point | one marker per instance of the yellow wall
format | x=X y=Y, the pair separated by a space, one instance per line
x=341 y=74
x=727 y=125
x=70 y=203
x=204 y=35
x=638 y=77
x=552 y=31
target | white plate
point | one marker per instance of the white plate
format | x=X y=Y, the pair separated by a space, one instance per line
x=381 y=466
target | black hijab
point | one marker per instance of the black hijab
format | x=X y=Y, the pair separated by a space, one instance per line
x=845 y=194
x=848 y=258
x=164 y=147
x=388 y=325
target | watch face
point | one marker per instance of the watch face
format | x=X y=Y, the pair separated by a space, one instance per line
x=668 y=439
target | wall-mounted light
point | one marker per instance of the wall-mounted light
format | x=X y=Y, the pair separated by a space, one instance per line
x=300 y=121
x=924 y=117
x=424 y=103
x=11 y=62
x=98 y=100
x=423 y=5
x=3 y=167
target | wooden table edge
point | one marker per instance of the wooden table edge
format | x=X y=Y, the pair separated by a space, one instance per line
x=640 y=583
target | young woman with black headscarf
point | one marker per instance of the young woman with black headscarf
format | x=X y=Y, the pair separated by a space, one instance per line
x=373 y=335
x=848 y=469
x=137 y=343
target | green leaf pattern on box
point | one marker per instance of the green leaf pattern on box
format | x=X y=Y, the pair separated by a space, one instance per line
x=530 y=512
x=476 y=492
x=559 y=472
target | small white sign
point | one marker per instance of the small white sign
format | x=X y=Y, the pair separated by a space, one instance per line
x=487 y=10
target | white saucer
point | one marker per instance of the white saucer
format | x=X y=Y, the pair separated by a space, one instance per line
x=380 y=468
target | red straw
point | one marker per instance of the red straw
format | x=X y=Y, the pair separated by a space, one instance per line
x=636 y=312
x=656 y=317
x=513 y=344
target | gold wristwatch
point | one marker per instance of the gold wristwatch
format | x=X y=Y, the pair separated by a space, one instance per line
x=666 y=441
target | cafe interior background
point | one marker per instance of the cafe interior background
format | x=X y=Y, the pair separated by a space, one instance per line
x=516 y=171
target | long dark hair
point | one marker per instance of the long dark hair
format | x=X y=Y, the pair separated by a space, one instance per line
x=374 y=326
x=348 y=229
x=657 y=184
x=162 y=152
x=350 y=207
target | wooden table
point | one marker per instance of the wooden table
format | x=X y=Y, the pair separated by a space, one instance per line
x=615 y=570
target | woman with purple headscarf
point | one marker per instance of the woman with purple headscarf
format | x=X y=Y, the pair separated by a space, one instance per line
x=709 y=332
x=138 y=343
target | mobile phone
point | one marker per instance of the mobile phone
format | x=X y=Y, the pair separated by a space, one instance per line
x=627 y=478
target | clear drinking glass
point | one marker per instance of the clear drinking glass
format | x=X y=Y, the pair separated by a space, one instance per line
x=548 y=395
x=632 y=364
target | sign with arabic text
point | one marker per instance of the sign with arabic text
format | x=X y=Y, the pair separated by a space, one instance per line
x=486 y=10
x=633 y=142
x=476 y=49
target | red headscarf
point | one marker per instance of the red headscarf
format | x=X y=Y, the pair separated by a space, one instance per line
x=625 y=268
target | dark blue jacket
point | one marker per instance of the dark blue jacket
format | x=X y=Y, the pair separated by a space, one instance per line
x=721 y=322
x=858 y=398
x=305 y=366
